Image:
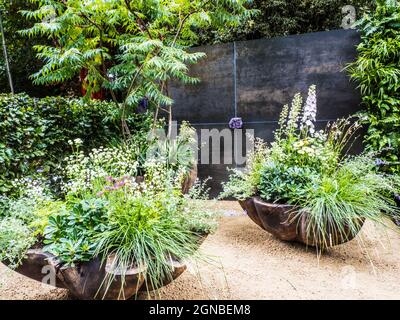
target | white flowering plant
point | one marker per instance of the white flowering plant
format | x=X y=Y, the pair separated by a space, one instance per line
x=299 y=151
x=82 y=170
x=312 y=169
x=299 y=143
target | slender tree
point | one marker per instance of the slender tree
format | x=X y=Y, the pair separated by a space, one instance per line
x=6 y=61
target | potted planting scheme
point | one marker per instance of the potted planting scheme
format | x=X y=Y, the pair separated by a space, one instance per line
x=305 y=187
x=124 y=223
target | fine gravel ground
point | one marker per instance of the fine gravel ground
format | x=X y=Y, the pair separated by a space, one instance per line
x=248 y=263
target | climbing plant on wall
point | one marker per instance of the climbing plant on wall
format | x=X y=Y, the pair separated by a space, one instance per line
x=377 y=72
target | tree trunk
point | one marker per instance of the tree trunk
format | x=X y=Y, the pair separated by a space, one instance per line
x=6 y=55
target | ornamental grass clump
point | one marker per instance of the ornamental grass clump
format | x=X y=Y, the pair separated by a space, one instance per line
x=143 y=224
x=147 y=229
x=313 y=171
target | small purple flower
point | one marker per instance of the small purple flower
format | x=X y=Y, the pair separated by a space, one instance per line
x=99 y=194
x=110 y=179
x=118 y=185
x=380 y=163
x=236 y=123
x=121 y=184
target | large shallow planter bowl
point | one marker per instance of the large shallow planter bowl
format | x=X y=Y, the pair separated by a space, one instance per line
x=86 y=280
x=37 y=264
x=283 y=222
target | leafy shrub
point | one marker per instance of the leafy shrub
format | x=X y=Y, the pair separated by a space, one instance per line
x=311 y=170
x=282 y=183
x=174 y=153
x=70 y=234
x=377 y=72
x=34 y=133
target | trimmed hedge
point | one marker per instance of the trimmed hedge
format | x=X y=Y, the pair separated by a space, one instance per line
x=34 y=133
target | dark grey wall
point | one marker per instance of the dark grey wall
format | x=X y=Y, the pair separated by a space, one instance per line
x=254 y=79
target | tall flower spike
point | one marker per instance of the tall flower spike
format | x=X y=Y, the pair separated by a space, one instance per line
x=294 y=113
x=282 y=122
x=310 y=111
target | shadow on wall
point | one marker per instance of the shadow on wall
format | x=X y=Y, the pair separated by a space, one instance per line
x=254 y=79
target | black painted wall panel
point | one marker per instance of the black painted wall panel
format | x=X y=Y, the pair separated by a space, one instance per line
x=270 y=72
x=211 y=100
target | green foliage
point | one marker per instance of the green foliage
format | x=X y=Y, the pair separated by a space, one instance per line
x=243 y=184
x=287 y=17
x=199 y=219
x=197 y=215
x=133 y=47
x=283 y=182
x=70 y=234
x=377 y=73
x=42 y=213
x=311 y=170
x=34 y=133
x=21 y=208
x=134 y=223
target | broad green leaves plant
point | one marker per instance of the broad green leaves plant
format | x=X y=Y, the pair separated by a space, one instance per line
x=282 y=183
x=377 y=73
x=70 y=234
